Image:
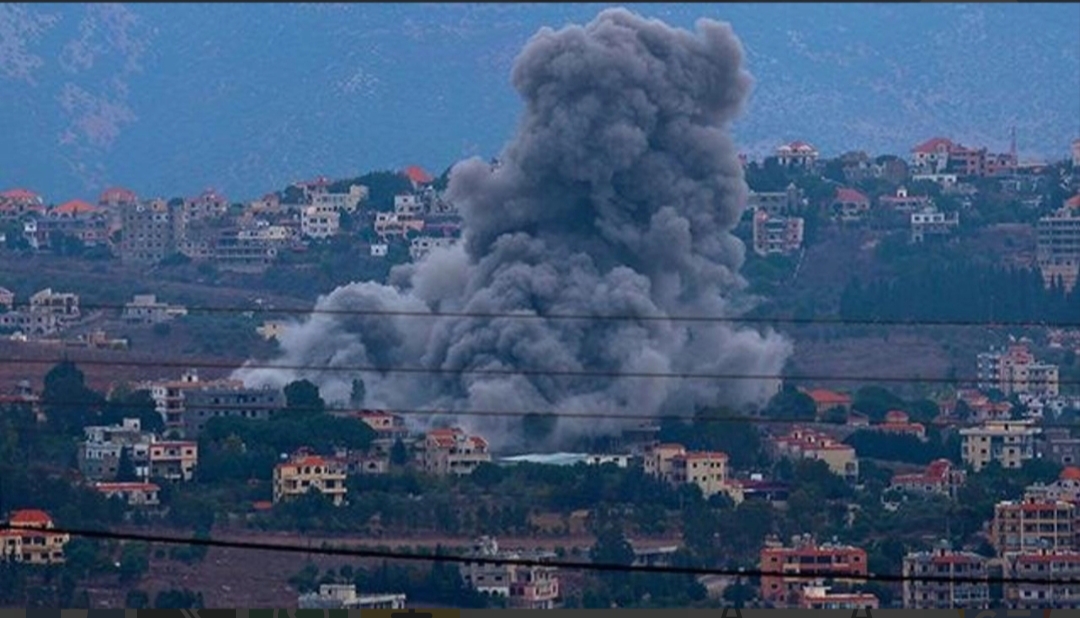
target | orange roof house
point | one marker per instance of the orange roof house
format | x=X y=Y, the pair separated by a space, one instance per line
x=72 y=209
x=825 y=400
x=30 y=518
x=417 y=175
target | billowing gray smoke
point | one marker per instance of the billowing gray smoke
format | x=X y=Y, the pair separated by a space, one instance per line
x=615 y=198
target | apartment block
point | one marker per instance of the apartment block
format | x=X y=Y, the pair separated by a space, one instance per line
x=146 y=309
x=777 y=235
x=787 y=566
x=422 y=246
x=210 y=402
x=778 y=202
x=1041 y=579
x=708 y=471
x=524 y=587
x=1015 y=370
x=149 y=232
x=63 y=305
x=388 y=427
x=99 y=453
x=319 y=222
x=173 y=460
x=1009 y=443
x=929 y=221
x=452 y=451
x=29 y=539
x=804 y=443
x=1057 y=244
x=1065 y=489
x=942 y=563
x=303 y=473
x=1026 y=525
x=169 y=396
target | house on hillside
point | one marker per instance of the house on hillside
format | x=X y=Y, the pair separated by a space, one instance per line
x=797 y=154
x=850 y=205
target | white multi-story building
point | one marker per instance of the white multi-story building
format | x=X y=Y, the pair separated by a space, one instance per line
x=319 y=222
x=932 y=222
x=1057 y=244
x=420 y=247
x=524 y=587
x=943 y=562
x=1016 y=371
x=777 y=235
x=1056 y=569
x=342 y=202
x=1009 y=443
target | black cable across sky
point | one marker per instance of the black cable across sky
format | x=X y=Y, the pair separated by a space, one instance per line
x=209 y=364
x=530 y=315
x=561 y=564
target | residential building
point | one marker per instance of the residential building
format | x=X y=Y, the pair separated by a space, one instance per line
x=29 y=539
x=931 y=222
x=271 y=329
x=784 y=202
x=100 y=452
x=941 y=477
x=304 y=473
x=209 y=402
x=850 y=205
x=389 y=224
x=803 y=443
x=905 y=203
x=16 y=203
x=170 y=396
x=1057 y=244
x=1065 y=489
x=64 y=305
x=452 y=451
x=7 y=299
x=708 y=471
x=1024 y=525
x=826 y=400
x=145 y=309
x=149 y=232
x=1026 y=573
x=898 y=422
x=940 y=563
x=422 y=246
x=939 y=155
x=1058 y=446
x=117 y=197
x=388 y=427
x=207 y=205
x=822 y=597
x=418 y=176
x=173 y=460
x=344 y=596
x=1010 y=443
x=777 y=235
x=1016 y=371
x=524 y=587
x=797 y=154
x=379 y=249
x=30 y=323
x=785 y=568
x=341 y=202
x=408 y=204
x=133 y=494
x=319 y=222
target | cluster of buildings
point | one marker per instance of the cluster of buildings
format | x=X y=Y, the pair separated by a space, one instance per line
x=45 y=313
x=234 y=236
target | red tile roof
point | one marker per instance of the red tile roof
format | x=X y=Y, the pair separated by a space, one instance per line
x=1073 y=202
x=29 y=517
x=417 y=175
x=823 y=396
x=20 y=194
x=931 y=145
x=845 y=194
x=74 y=208
x=126 y=486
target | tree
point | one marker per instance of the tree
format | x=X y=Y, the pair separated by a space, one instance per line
x=537 y=428
x=399 y=454
x=303 y=396
x=69 y=404
x=791 y=403
x=358 y=393
x=134 y=404
x=178 y=599
x=125 y=468
x=137 y=599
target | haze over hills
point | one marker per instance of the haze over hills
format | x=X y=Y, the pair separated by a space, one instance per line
x=170 y=99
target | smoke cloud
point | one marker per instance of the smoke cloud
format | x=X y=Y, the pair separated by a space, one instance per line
x=616 y=196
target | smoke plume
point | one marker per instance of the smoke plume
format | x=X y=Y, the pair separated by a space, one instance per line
x=616 y=197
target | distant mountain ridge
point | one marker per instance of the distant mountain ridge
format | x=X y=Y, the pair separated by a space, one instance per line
x=171 y=99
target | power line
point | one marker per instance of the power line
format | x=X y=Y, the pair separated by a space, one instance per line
x=527 y=315
x=346 y=412
x=200 y=364
x=561 y=564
